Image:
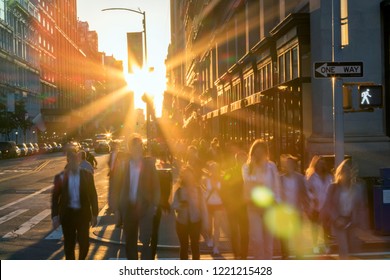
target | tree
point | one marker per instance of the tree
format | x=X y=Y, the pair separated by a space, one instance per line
x=23 y=121
x=7 y=121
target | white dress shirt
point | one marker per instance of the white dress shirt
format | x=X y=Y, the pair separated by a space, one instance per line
x=74 y=190
x=135 y=170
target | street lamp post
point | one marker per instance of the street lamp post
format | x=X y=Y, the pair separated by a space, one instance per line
x=145 y=98
x=143 y=24
x=16 y=137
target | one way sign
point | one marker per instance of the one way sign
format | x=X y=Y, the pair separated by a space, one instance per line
x=338 y=69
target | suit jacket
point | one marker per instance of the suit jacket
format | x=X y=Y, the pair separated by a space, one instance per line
x=148 y=195
x=88 y=195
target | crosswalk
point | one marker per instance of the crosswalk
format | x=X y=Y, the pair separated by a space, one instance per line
x=25 y=226
x=28 y=225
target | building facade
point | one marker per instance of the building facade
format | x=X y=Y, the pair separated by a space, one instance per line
x=19 y=63
x=245 y=69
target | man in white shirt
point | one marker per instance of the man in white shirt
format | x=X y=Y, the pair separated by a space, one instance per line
x=75 y=206
x=138 y=196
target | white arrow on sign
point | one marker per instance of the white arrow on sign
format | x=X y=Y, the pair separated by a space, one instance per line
x=330 y=70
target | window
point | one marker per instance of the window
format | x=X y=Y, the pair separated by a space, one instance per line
x=288 y=65
x=294 y=58
x=248 y=85
x=344 y=23
x=2 y=9
x=265 y=77
x=281 y=70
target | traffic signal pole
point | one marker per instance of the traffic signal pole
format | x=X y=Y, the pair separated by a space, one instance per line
x=337 y=88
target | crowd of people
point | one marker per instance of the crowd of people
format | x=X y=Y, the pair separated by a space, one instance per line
x=228 y=190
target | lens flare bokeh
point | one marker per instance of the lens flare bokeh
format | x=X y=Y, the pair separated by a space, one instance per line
x=283 y=221
x=262 y=196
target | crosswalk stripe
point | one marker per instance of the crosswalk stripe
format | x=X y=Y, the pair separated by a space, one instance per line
x=28 y=225
x=26 y=197
x=55 y=234
x=12 y=215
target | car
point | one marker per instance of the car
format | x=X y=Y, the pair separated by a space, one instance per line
x=51 y=149
x=33 y=149
x=71 y=146
x=88 y=143
x=37 y=149
x=56 y=147
x=43 y=148
x=23 y=149
x=9 y=149
x=102 y=147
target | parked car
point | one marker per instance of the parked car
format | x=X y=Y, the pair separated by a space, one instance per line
x=23 y=149
x=33 y=149
x=57 y=147
x=43 y=148
x=37 y=149
x=102 y=147
x=9 y=149
x=87 y=143
x=71 y=146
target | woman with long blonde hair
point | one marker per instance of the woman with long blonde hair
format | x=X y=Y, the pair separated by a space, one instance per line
x=345 y=208
x=260 y=177
x=318 y=181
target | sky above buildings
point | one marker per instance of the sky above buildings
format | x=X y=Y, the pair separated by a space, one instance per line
x=112 y=27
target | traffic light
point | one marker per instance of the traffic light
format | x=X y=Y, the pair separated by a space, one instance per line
x=370 y=97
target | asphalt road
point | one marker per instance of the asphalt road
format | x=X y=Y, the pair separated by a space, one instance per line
x=25 y=225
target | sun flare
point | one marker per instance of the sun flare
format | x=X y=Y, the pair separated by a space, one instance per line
x=150 y=81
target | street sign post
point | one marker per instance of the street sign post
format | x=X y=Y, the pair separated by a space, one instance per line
x=338 y=69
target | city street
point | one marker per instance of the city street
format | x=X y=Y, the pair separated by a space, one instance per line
x=25 y=225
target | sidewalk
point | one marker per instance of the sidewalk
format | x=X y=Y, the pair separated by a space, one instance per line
x=107 y=232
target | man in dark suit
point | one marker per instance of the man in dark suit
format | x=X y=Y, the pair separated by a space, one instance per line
x=75 y=206
x=139 y=197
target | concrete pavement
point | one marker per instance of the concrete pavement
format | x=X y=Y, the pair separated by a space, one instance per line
x=106 y=231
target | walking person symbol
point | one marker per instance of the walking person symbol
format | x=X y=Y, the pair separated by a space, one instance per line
x=365 y=97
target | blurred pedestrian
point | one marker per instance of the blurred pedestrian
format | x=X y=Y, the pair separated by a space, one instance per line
x=113 y=186
x=318 y=179
x=192 y=159
x=91 y=158
x=294 y=195
x=74 y=206
x=138 y=196
x=215 y=207
x=260 y=177
x=232 y=193
x=345 y=208
x=84 y=164
x=165 y=177
x=191 y=213
x=215 y=153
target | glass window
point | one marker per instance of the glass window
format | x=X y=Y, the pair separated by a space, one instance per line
x=344 y=23
x=269 y=76
x=2 y=9
x=288 y=65
x=281 y=69
x=295 y=65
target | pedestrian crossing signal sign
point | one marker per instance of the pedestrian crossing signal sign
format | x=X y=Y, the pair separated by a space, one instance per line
x=370 y=97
